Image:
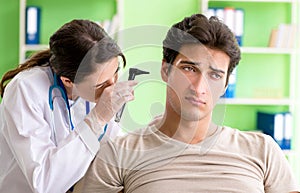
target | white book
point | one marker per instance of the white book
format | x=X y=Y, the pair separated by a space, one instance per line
x=229 y=20
x=288 y=130
x=292 y=31
x=239 y=25
x=114 y=26
x=106 y=24
x=219 y=13
x=282 y=36
x=210 y=12
x=278 y=127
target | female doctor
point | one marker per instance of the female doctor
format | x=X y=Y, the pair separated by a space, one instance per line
x=48 y=133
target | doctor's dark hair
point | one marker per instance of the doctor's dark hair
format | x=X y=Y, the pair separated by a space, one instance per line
x=68 y=47
x=197 y=29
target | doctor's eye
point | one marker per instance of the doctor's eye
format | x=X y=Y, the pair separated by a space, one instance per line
x=102 y=85
x=117 y=69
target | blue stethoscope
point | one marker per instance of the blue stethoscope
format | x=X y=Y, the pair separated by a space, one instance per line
x=57 y=84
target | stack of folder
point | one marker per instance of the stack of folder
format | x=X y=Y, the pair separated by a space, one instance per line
x=232 y=17
x=33 y=25
x=278 y=126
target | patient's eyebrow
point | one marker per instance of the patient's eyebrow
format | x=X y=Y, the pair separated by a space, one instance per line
x=198 y=64
x=189 y=62
x=217 y=70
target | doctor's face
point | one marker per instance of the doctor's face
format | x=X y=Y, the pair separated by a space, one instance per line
x=196 y=81
x=91 y=88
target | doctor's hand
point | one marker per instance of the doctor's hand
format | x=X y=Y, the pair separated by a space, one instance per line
x=110 y=102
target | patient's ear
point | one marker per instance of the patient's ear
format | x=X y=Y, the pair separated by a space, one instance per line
x=164 y=71
x=225 y=88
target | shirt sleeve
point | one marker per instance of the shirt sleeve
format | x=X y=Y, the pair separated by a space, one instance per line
x=46 y=166
x=278 y=175
x=104 y=174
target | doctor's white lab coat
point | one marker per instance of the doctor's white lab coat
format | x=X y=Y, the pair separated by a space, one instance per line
x=30 y=159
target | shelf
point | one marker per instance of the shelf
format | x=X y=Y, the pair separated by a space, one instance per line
x=251 y=101
x=288 y=60
x=289 y=152
x=262 y=1
x=267 y=50
x=245 y=50
x=24 y=48
x=36 y=47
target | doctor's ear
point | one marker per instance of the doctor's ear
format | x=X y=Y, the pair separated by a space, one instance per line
x=66 y=81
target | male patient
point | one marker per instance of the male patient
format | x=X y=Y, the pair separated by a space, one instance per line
x=183 y=151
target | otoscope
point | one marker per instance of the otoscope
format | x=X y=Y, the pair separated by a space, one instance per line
x=132 y=73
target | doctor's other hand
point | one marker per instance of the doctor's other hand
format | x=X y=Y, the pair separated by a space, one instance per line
x=109 y=103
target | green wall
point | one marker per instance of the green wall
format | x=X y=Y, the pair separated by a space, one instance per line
x=296 y=143
x=148 y=21
x=259 y=21
x=55 y=13
x=9 y=34
x=145 y=24
x=252 y=66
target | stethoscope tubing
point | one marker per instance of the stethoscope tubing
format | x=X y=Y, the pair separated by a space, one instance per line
x=57 y=84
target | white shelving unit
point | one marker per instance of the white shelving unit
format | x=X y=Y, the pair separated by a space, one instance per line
x=266 y=50
x=24 y=48
x=291 y=101
x=204 y=3
x=269 y=101
x=22 y=20
x=254 y=101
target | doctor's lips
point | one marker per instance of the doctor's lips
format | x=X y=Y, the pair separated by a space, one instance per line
x=195 y=101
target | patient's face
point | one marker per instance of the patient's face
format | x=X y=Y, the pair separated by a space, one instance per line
x=196 y=81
